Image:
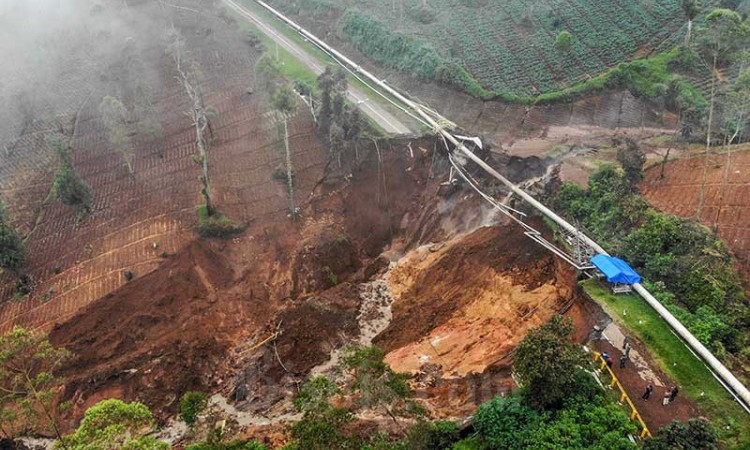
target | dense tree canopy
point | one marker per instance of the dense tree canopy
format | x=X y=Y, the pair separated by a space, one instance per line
x=113 y=425
x=697 y=434
x=546 y=363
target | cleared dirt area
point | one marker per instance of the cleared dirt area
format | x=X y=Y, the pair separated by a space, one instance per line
x=726 y=198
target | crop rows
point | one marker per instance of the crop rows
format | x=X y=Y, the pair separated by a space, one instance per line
x=509 y=46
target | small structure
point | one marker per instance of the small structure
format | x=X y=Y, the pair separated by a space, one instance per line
x=617 y=272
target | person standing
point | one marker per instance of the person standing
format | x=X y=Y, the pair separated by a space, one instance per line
x=625 y=342
x=648 y=392
x=673 y=394
x=627 y=350
x=623 y=359
x=667 y=396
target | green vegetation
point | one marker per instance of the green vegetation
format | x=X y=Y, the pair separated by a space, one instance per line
x=28 y=384
x=114 y=424
x=192 y=404
x=376 y=385
x=69 y=187
x=559 y=406
x=547 y=364
x=238 y=445
x=477 y=46
x=217 y=225
x=696 y=434
x=677 y=361
x=564 y=41
x=12 y=250
x=692 y=269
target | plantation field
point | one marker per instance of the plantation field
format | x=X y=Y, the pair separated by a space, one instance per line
x=506 y=46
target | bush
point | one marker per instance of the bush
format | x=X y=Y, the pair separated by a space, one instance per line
x=563 y=41
x=432 y=435
x=191 y=405
x=217 y=225
x=12 y=251
x=503 y=422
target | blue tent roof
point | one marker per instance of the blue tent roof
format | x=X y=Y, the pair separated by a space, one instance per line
x=615 y=269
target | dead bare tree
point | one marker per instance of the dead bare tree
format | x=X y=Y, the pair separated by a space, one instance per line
x=188 y=74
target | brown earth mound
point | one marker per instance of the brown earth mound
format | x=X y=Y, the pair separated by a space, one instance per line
x=467 y=304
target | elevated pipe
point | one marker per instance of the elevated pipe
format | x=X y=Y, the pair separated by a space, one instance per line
x=739 y=389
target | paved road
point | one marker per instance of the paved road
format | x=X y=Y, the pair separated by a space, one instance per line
x=376 y=112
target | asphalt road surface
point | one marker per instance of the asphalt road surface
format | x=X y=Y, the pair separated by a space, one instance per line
x=376 y=112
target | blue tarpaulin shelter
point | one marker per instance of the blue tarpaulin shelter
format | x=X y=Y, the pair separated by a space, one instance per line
x=615 y=269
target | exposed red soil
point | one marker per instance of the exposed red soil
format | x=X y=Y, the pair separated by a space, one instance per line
x=137 y=218
x=159 y=335
x=197 y=320
x=726 y=206
x=455 y=278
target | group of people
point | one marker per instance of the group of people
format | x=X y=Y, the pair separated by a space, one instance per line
x=669 y=395
x=623 y=359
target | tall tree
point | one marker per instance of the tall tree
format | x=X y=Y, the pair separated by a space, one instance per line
x=720 y=37
x=546 y=363
x=115 y=119
x=28 y=384
x=12 y=251
x=285 y=103
x=189 y=75
x=691 y=10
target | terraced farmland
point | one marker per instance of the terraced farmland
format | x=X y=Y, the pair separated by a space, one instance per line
x=508 y=46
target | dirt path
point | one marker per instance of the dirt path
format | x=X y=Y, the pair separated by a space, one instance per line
x=640 y=371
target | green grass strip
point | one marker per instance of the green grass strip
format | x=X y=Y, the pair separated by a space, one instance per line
x=676 y=359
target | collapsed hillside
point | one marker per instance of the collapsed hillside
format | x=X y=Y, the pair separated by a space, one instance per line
x=251 y=317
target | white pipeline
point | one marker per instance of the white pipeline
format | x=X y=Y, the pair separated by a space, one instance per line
x=739 y=389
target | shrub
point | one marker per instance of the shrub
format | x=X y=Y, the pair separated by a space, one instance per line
x=432 y=435
x=192 y=404
x=503 y=422
x=563 y=41
x=217 y=225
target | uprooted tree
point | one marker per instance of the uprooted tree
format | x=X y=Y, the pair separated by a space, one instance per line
x=28 y=383
x=285 y=103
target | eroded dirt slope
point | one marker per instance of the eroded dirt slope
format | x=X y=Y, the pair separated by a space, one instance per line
x=468 y=304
